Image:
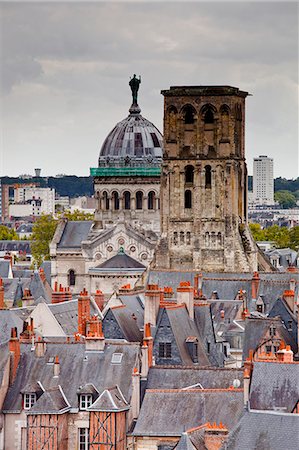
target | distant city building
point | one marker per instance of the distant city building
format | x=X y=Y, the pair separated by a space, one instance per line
x=263 y=181
x=32 y=201
x=62 y=202
x=37 y=172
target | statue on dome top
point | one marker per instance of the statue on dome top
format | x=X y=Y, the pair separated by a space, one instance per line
x=134 y=85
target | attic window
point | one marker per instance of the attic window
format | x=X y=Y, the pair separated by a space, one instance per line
x=85 y=401
x=116 y=358
x=50 y=360
x=165 y=349
x=29 y=400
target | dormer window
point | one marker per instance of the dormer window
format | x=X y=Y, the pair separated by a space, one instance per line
x=29 y=400
x=165 y=349
x=85 y=401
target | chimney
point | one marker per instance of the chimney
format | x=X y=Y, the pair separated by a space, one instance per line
x=289 y=298
x=56 y=367
x=40 y=348
x=28 y=331
x=255 y=282
x=248 y=366
x=42 y=275
x=144 y=360
x=83 y=311
x=215 y=436
x=99 y=299
x=292 y=284
x=152 y=303
x=28 y=299
x=285 y=354
x=2 y=303
x=135 y=399
x=15 y=352
x=95 y=339
x=185 y=294
x=148 y=340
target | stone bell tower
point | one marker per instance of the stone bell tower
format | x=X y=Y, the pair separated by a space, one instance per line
x=204 y=182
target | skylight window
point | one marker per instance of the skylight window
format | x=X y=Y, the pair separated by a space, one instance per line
x=116 y=358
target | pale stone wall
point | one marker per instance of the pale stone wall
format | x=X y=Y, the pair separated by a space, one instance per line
x=13 y=424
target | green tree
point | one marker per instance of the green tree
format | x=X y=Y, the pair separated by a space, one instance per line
x=285 y=198
x=77 y=215
x=257 y=232
x=294 y=238
x=42 y=233
x=279 y=235
x=7 y=234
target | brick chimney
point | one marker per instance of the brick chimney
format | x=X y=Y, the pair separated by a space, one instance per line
x=2 y=303
x=215 y=436
x=289 y=298
x=255 y=282
x=40 y=348
x=15 y=353
x=95 y=339
x=248 y=366
x=99 y=299
x=83 y=311
x=61 y=294
x=185 y=294
x=56 y=367
x=28 y=299
x=42 y=275
x=285 y=354
x=135 y=398
x=28 y=331
x=148 y=340
x=152 y=303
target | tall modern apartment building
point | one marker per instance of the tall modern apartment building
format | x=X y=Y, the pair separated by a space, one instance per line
x=263 y=181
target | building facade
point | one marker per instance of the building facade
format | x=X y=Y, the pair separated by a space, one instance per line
x=263 y=181
x=204 y=182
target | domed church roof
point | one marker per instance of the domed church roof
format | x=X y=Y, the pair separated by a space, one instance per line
x=134 y=141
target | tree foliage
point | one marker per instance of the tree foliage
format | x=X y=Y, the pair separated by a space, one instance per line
x=42 y=233
x=285 y=198
x=77 y=215
x=7 y=234
x=282 y=237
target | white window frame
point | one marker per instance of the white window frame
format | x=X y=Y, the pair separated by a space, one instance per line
x=29 y=400
x=85 y=401
x=83 y=438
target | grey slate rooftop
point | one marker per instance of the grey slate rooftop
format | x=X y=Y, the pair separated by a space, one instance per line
x=121 y=261
x=74 y=233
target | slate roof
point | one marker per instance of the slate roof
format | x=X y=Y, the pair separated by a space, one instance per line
x=111 y=400
x=265 y=431
x=121 y=261
x=4 y=268
x=280 y=309
x=46 y=266
x=74 y=233
x=182 y=327
x=25 y=228
x=38 y=289
x=135 y=304
x=4 y=357
x=83 y=367
x=274 y=385
x=15 y=246
x=184 y=443
x=14 y=287
x=127 y=323
x=66 y=314
x=178 y=377
x=9 y=320
x=171 y=412
x=52 y=402
x=255 y=329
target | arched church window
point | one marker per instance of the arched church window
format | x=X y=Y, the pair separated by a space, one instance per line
x=189 y=114
x=115 y=198
x=127 y=198
x=151 y=200
x=188 y=238
x=71 y=278
x=175 y=238
x=106 y=200
x=189 y=174
x=209 y=116
x=139 y=199
x=208 y=177
x=188 y=199
x=182 y=237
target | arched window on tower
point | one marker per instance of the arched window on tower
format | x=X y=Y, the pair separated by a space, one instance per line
x=188 y=199
x=208 y=177
x=189 y=114
x=71 y=278
x=151 y=200
x=209 y=116
x=127 y=198
x=106 y=200
x=189 y=174
x=115 y=198
x=139 y=200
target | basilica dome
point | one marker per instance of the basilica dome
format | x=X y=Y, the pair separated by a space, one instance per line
x=134 y=141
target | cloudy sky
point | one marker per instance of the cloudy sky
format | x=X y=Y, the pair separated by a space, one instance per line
x=65 y=70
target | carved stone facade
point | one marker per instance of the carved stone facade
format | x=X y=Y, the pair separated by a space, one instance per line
x=204 y=182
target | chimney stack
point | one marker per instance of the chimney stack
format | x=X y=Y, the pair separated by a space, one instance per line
x=15 y=352
x=255 y=282
x=289 y=298
x=148 y=340
x=285 y=354
x=61 y=294
x=42 y=275
x=152 y=303
x=135 y=399
x=248 y=366
x=56 y=368
x=83 y=311
x=28 y=299
x=40 y=348
x=215 y=436
x=185 y=294
x=95 y=339
x=2 y=303
x=99 y=299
